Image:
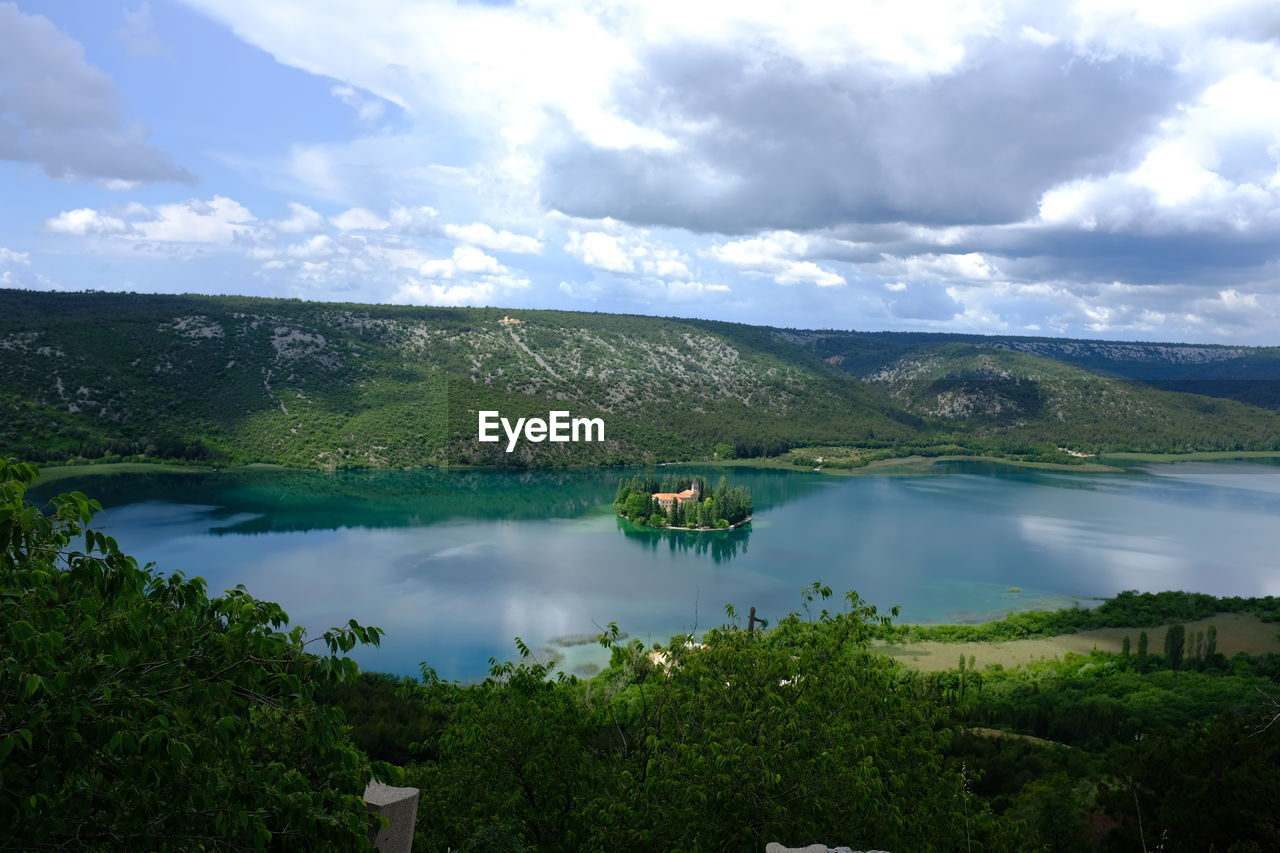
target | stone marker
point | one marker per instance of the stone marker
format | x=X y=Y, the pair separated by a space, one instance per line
x=400 y=807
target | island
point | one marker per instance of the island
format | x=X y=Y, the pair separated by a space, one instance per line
x=682 y=503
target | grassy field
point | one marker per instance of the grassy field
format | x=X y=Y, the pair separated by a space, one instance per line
x=1236 y=633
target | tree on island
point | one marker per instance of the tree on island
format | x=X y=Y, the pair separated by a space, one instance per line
x=706 y=509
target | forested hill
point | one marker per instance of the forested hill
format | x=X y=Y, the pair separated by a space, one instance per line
x=240 y=379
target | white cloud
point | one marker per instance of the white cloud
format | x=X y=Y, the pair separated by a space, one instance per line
x=359 y=219
x=626 y=250
x=218 y=220
x=301 y=220
x=484 y=236
x=435 y=293
x=508 y=70
x=807 y=272
x=9 y=256
x=600 y=250
x=467 y=277
x=776 y=255
x=83 y=222
x=970 y=266
x=415 y=220
x=465 y=260
x=368 y=110
x=1214 y=166
x=686 y=290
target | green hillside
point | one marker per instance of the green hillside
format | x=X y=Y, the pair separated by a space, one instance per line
x=1248 y=374
x=1010 y=396
x=240 y=379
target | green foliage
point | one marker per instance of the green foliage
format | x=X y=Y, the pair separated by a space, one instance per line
x=385 y=715
x=1094 y=755
x=797 y=733
x=136 y=712
x=1210 y=786
x=1174 y=644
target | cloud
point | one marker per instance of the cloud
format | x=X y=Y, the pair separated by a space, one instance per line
x=482 y=292
x=9 y=256
x=359 y=219
x=301 y=220
x=776 y=255
x=85 y=221
x=60 y=112
x=368 y=110
x=773 y=143
x=218 y=220
x=686 y=290
x=484 y=236
x=416 y=220
x=465 y=261
x=624 y=250
x=993 y=165
x=600 y=250
x=467 y=277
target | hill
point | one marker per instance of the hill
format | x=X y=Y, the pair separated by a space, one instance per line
x=240 y=379
x=1010 y=396
x=1248 y=374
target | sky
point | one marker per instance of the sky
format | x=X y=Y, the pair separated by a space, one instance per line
x=1100 y=168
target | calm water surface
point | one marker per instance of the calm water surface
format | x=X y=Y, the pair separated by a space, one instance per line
x=455 y=564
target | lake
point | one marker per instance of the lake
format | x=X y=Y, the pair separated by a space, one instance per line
x=453 y=565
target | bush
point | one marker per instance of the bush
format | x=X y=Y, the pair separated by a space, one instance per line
x=138 y=713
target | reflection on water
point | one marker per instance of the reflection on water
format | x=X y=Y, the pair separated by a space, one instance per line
x=455 y=564
x=719 y=545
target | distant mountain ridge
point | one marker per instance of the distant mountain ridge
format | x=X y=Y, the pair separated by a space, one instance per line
x=330 y=385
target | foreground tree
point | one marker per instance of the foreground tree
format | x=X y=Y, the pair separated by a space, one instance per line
x=138 y=713
x=1174 y=644
x=798 y=734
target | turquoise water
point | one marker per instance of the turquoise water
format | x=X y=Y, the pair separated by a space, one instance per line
x=455 y=564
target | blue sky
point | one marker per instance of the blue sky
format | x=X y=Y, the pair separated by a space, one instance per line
x=1093 y=169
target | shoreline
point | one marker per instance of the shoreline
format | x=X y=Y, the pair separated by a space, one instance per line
x=894 y=466
x=53 y=473
x=746 y=520
x=900 y=465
